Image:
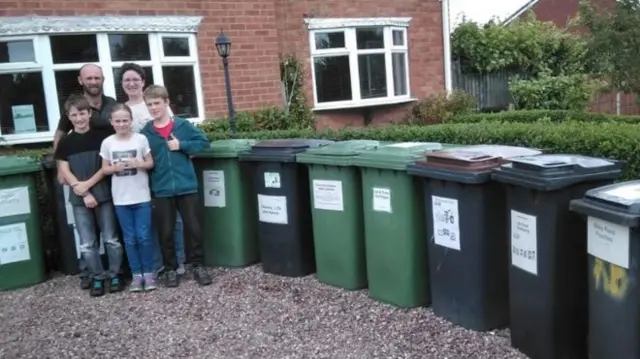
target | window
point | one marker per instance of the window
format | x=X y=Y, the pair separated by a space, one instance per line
x=39 y=69
x=359 y=62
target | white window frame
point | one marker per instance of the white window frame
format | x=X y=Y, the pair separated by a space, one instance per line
x=348 y=27
x=39 y=28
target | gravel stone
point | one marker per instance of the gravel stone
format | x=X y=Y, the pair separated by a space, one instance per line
x=245 y=313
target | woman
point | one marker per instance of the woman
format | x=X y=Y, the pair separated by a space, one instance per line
x=132 y=77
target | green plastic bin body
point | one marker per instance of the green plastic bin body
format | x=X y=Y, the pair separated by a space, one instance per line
x=336 y=212
x=396 y=252
x=228 y=214
x=21 y=257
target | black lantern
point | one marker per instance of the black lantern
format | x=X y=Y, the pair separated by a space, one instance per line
x=223 y=45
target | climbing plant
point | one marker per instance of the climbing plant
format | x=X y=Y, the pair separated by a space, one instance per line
x=297 y=111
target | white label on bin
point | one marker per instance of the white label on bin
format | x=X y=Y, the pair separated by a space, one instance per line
x=446 y=227
x=14 y=244
x=631 y=193
x=272 y=209
x=213 y=189
x=406 y=144
x=272 y=180
x=14 y=201
x=608 y=241
x=524 y=242
x=382 y=199
x=328 y=195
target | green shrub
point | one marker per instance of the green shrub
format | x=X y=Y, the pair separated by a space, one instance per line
x=609 y=140
x=438 y=108
x=266 y=119
x=530 y=116
x=565 y=92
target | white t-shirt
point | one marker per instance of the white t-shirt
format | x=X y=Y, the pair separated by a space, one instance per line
x=130 y=186
x=141 y=115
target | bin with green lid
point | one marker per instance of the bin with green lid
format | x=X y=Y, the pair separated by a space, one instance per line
x=396 y=252
x=228 y=216
x=21 y=257
x=336 y=212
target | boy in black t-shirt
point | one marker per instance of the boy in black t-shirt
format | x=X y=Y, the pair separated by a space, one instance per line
x=79 y=161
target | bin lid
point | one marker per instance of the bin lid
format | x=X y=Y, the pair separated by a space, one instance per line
x=226 y=148
x=395 y=156
x=624 y=196
x=281 y=150
x=337 y=154
x=12 y=164
x=469 y=164
x=556 y=171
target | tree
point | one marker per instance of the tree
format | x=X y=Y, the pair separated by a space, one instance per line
x=613 y=42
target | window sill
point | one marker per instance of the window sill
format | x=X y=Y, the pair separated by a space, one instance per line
x=23 y=139
x=361 y=104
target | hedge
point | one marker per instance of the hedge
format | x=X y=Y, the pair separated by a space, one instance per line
x=609 y=140
x=529 y=116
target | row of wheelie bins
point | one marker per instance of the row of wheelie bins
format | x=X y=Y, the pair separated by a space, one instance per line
x=489 y=236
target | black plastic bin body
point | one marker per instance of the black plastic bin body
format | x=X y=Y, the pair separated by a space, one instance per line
x=466 y=234
x=285 y=231
x=613 y=234
x=547 y=280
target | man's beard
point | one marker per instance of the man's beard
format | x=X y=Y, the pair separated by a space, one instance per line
x=92 y=91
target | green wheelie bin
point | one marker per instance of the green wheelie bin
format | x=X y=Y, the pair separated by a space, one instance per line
x=396 y=252
x=21 y=255
x=336 y=212
x=228 y=216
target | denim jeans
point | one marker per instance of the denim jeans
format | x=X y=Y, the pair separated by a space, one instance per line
x=104 y=216
x=179 y=241
x=135 y=222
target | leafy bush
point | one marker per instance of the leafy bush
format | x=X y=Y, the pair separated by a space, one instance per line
x=438 y=108
x=266 y=119
x=565 y=92
x=610 y=140
x=530 y=116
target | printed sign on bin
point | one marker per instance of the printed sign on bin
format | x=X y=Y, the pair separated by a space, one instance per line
x=524 y=242
x=327 y=195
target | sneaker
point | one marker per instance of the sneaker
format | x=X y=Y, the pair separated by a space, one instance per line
x=136 y=284
x=97 y=288
x=115 y=285
x=85 y=283
x=200 y=275
x=171 y=279
x=181 y=270
x=149 y=282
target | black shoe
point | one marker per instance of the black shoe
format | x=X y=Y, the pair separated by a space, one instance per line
x=200 y=275
x=85 y=283
x=115 y=285
x=97 y=288
x=171 y=279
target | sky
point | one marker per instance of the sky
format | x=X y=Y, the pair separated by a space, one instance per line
x=482 y=11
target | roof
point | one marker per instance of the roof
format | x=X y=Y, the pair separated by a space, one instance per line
x=526 y=7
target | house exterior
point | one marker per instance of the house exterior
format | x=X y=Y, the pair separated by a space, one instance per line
x=363 y=60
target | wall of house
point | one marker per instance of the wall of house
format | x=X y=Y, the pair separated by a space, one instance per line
x=561 y=11
x=426 y=62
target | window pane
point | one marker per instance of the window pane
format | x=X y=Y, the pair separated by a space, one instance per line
x=17 y=51
x=69 y=49
x=179 y=81
x=370 y=38
x=121 y=96
x=66 y=84
x=176 y=46
x=129 y=47
x=373 y=77
x=22 y=104
x=399 y=73
x=398 y=37
x=329 y=40
x=333 y=78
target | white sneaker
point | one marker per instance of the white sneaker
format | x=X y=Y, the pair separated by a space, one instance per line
x=181 y=270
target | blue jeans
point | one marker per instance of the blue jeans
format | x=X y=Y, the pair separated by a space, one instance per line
x=179 y=240
x=135 y=222
x=104 y=216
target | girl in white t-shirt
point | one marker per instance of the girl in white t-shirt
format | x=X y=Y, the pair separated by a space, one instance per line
x=132 y=77
x=127 y=157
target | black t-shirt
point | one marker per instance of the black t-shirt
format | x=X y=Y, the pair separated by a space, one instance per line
x=100 y=118
x=82 y=151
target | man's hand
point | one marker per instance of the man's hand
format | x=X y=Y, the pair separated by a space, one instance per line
x=174 y=144
x=90 y=201
x=81 y=188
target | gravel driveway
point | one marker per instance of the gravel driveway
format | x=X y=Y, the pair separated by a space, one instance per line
x=244 y=314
